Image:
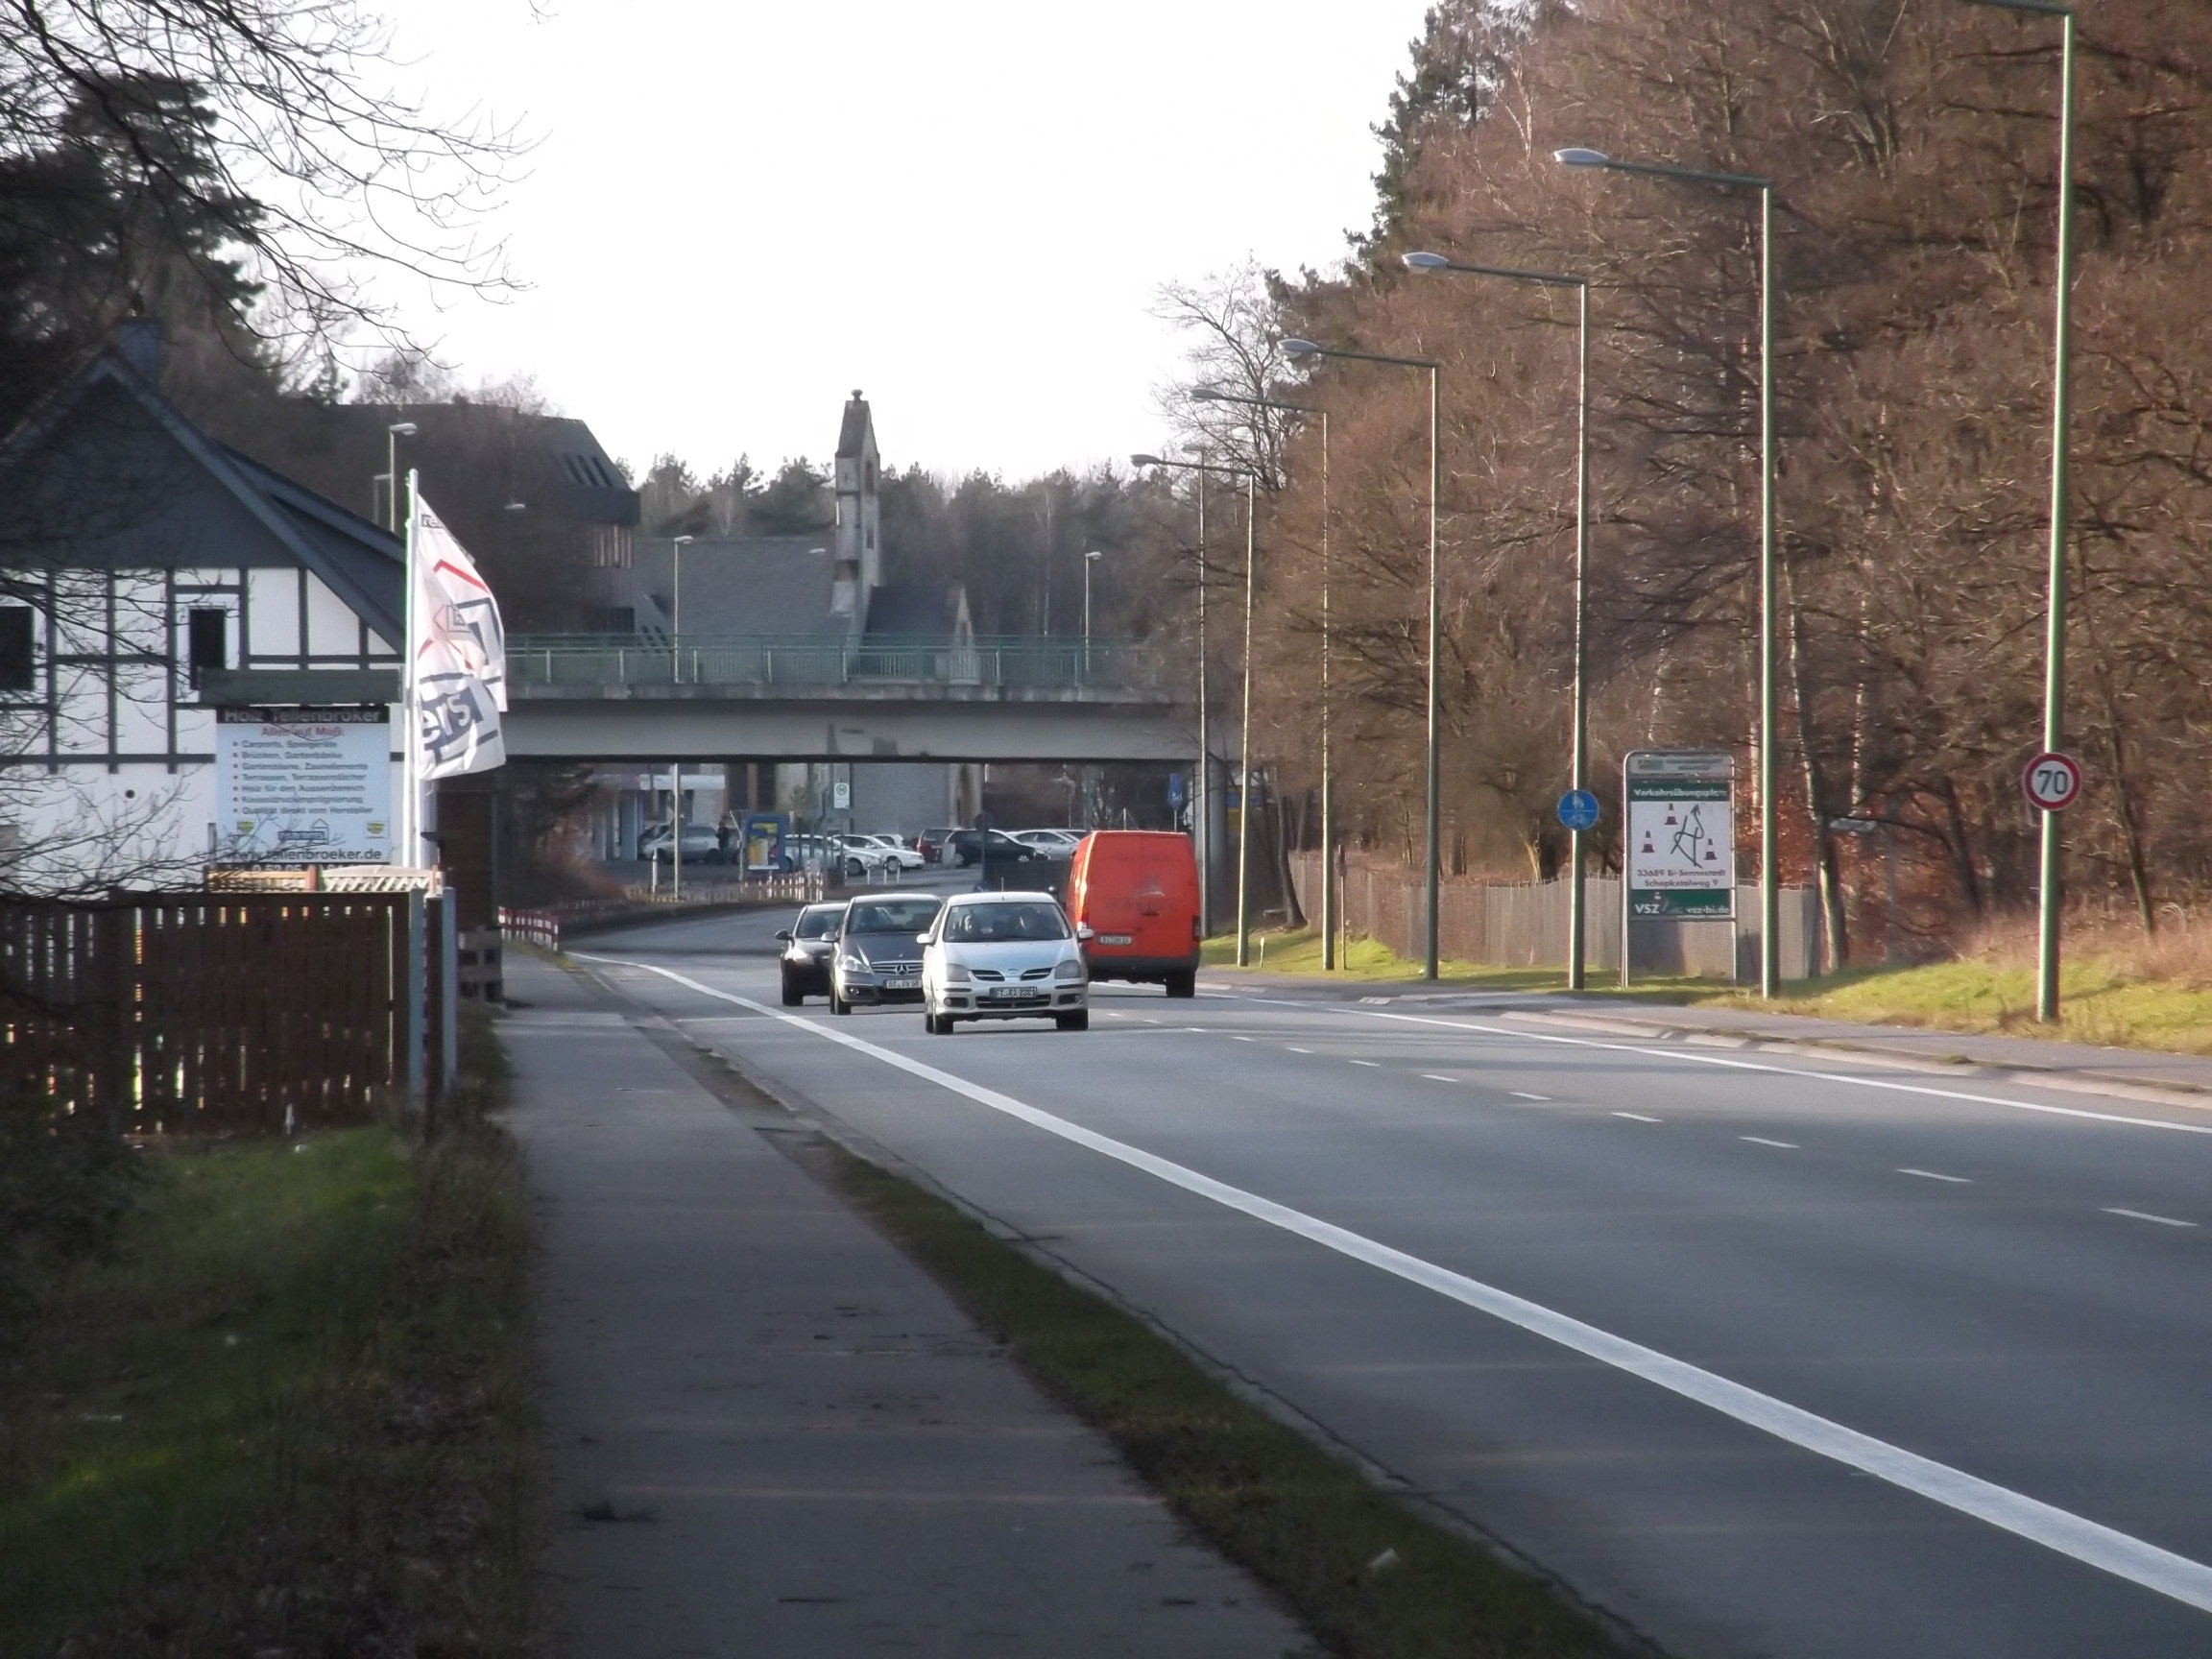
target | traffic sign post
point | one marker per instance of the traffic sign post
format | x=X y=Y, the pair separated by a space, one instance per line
x=1678 y=842
x=2052 y=781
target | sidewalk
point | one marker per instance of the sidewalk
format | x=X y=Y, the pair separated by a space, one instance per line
x=769 y=1433
x=2125 y=1073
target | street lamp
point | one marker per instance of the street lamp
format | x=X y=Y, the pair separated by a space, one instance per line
x=1302 y=349
x=1203 y=791
x=1769 y=871
x=676 y=607
x=1577 y=926
x=2061 y=408
x=1329 y=896
x=1089 y=558
x=393 y=433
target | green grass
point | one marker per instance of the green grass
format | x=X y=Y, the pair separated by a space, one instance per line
x=1298 y=952
x=1370 y=1578
x=2100 y=1001
x=291 y=1412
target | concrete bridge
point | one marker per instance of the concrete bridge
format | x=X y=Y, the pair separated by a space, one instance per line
x=620 y=698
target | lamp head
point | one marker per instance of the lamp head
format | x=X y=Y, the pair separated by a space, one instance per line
x=1580 y=158
x=402 y=428
x=1146 y=461
x=517 y=506
x=1425 y=262
x=1300 y=348
x=1208 y=395
x=1095 y=553
x=684 y=540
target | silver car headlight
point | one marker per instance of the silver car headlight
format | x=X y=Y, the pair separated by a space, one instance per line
x=852 y=964
x=955 y=974
x=1071 y=969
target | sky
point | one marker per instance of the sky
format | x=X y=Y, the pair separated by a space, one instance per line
x=738 y=212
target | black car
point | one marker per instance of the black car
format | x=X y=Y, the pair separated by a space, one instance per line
x=878 y=958
x=807 y=944
x=993 y=849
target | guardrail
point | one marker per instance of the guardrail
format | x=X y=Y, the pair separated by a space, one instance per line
x=804 y=663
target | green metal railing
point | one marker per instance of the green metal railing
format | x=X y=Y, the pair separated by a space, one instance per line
x=809 y=662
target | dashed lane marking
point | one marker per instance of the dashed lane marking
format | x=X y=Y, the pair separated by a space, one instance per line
x=2145 y=1215
x=1295 y=1050
x=1518 y=1095
x=2084 y=1540
x=1761 y=1140
x=1638 y=1117
x=1933 y=1176
x=1368 y=1063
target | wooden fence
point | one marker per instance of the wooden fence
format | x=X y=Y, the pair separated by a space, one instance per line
x=222 y=1012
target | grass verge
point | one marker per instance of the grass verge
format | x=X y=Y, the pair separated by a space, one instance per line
x=290 y=1412
x=1298 y=951
x=1369 y=1577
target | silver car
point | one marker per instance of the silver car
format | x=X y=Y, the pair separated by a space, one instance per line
x=1002 y=956
x=877 y=958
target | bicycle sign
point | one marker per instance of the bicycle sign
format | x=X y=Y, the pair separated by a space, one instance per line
x=2052 y=781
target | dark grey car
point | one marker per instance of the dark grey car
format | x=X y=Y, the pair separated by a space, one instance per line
x=877 y=958
x=806 y=947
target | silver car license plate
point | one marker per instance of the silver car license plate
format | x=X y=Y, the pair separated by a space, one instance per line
x=1004 y=993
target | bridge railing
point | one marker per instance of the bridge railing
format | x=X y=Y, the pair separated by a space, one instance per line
x=804 y=662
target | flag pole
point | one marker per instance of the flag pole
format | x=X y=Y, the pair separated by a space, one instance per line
x=410 y=766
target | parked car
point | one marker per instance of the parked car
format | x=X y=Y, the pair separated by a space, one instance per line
x=902 y=854
x=1002 y=956
x=993 y=848
x=1134 y=893
x=1052 y=843
x=701 y=845
x=807 y=944
x=879 y=955
x=931 y=843
x=857 y=856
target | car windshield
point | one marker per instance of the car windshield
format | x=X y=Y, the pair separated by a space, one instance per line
x=992 y=923
x=892 y=916
x=814 y=923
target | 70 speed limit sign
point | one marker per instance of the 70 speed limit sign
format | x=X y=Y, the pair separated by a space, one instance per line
x=2052 y=781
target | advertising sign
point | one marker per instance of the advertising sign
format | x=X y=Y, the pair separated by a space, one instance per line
x=297 y=787
x=1681 y=851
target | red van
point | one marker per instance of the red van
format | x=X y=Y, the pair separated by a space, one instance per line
x=1136 y=891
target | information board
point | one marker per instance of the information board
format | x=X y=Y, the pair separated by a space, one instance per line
x=1681 y=851
x=297 y=787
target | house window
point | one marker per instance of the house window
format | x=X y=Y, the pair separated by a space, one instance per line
x=19 y=659
x=206 y=641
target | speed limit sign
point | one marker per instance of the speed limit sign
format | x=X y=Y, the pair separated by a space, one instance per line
x=2052 y=781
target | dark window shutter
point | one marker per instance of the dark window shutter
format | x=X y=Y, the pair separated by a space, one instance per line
x=18 y=660
x=206 y=641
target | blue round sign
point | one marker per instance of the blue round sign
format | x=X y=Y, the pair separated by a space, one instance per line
x=1578 y=809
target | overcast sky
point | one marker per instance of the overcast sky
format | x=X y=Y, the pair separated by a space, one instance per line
x=740 y=211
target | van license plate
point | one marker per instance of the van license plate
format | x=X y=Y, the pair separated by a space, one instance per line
x=1117 y=939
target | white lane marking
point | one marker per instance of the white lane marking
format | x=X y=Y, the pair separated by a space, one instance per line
x=1932 y=1175
x=2087 y=1541
x=1434 y=1078
x=1233 y=1038
x=1518 y=1095
x=1694 y=1059
x=1761 y=1140
x=1366 y=1062
x=2145 y=1215
x=1295 y=1050
x=1637 y=1115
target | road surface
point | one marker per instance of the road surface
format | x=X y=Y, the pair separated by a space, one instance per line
x=1765 y=1355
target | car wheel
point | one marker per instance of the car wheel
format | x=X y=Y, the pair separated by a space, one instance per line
x=793 y=997
x=1079 y=1020
x=837 y=1004
x=1183 y=984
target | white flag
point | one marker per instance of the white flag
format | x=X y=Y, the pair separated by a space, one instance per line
x=459 y=653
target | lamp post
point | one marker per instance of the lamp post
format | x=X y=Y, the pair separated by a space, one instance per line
x=1202 y=793
x=1329 y=896
x=1089 y=558
x=1769 y=871
x=1300 y=348
x=2061 y=410
x=676 y=607
x=1578 y=765
x=393 y=433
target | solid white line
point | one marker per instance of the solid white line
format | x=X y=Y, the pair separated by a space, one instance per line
x=1637 y=1115
x=2145 y=1215
x=1761 y=1140
x=1697 y=1059
x=1518 y=1095
x=1930 y=1175
x=2069 y=1535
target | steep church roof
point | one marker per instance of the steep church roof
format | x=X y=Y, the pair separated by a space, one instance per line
x=854 y=435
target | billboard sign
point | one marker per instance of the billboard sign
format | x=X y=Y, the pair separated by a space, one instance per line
x=1681 y=834
x=297 y=786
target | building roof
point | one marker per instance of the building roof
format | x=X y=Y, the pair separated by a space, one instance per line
x=853 y=435
x=734 y=585
x=915 y=610
x=165 y=494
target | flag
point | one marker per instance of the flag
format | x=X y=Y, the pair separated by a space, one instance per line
x=459 y=653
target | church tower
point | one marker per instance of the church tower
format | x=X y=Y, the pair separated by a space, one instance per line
x=859 y=559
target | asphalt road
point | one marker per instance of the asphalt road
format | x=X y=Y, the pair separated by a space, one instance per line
x=1763 y=1354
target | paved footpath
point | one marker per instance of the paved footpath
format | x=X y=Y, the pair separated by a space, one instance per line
x=769 y=1433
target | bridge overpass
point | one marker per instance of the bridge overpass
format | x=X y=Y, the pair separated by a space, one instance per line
x=621 y=698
